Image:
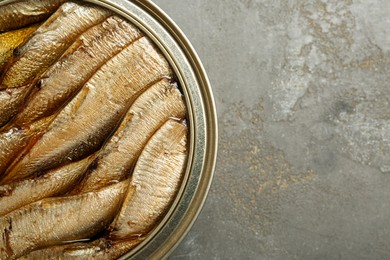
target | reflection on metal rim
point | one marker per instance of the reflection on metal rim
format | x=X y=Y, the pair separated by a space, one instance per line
x=201 y=116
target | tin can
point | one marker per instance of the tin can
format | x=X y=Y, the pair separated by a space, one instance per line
x=202 y=122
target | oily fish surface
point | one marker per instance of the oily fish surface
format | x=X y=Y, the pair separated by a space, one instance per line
x=52 y=221
x=101 y=249
x=62 y=81
x=107 y=97
x=9 y=41
x=20 y=13
x=92 y=139
x=155 y=180
x=148 y=113
x=152 y=188
x=57 y=181
x=40 y=50
x=68 y=74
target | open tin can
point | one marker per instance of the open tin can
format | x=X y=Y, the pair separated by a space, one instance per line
x=201 y=120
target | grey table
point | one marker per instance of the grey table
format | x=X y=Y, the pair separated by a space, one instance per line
x=303 y=96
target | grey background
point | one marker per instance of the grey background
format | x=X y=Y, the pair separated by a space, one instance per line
x=302 y=92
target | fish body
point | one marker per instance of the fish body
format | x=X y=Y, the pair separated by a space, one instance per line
x=101 y=249
x=42 y=48
x=50 y=41
x=154 y=183
x=14 y=140
x=8 y=99
x=21 y=13
x=147 y=114
x=20 y=193
x=64 y=78
x=10 y=40
x=107 y=97
x=53 y=221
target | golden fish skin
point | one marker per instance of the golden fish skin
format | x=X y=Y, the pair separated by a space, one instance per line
x=154 y=183
x=8 y=98
x=101 y=249
x=20 y=193
x=13 y=141
x=16 y=142
x=21 y=13
x=10 y=40
x=109 y=94
x=42 y=48
x=50 y=41
x=147 y=114
x=56 y=220
x=62 y=80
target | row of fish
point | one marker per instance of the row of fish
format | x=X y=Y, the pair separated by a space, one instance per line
x=93 y=137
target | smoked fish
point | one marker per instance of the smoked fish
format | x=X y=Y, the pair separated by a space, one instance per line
x=147 y=114
x=42 y=49
x=108 y=96
x=154 y=182
x=101 y=249
x=14 y=140
x=10 y=40
x=63 y=79
x=24 y=12
x=20 y=193
x=93 y=132
x=53 y=221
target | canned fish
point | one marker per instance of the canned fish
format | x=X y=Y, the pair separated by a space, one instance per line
x=92 y=42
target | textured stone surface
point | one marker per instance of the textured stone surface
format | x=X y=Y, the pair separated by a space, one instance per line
x=303 y=96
